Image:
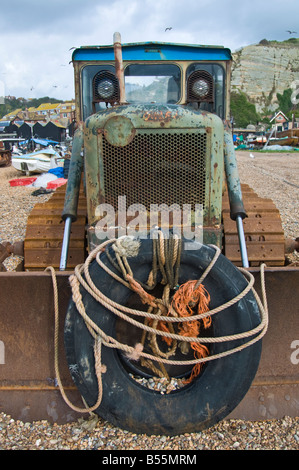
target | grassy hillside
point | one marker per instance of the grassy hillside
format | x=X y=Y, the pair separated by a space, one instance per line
x=292 y=42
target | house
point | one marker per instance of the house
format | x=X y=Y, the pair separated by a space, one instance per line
x=15 y=115
x=48 y=110
x=67 y=111
x=279 y=121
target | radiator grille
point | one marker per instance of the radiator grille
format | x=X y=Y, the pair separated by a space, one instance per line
x=156 y=168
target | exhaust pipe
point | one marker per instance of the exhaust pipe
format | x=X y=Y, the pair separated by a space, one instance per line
x=119 y=67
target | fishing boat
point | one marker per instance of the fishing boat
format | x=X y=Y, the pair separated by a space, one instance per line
x=288 y=137
x=39 y=161
x=287 y=140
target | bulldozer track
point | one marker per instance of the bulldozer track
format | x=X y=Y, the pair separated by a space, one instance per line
x=263 y=230
x=44 y=234
x=43 y=241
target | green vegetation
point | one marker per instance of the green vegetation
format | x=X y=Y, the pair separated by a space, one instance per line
x=245 y=113
x=285 y=103
x=242 y=110
x=291 y=42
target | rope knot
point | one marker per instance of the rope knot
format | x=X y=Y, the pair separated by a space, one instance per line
x=135 y=354
x=126 y=246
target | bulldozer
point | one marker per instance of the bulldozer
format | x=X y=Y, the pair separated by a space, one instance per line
x=153 y=169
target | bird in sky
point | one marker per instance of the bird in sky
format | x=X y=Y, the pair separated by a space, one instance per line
x=291 y=32
x=168 y=29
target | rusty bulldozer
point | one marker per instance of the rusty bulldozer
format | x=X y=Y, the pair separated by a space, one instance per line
x=153 y=139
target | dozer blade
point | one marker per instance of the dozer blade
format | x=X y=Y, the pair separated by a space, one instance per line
x=28 y=388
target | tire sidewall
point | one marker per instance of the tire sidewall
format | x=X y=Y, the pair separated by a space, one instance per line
x=210 y=397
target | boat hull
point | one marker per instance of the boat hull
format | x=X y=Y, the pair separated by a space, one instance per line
x=36 y=162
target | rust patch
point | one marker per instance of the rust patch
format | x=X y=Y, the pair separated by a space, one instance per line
x=158 y=116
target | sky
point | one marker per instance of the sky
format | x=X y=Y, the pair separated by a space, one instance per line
x=37 y=36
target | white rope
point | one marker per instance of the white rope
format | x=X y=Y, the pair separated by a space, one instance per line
x=121 y=311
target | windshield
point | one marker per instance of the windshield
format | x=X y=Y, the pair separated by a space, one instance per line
x=144 y=83
x=152 y=83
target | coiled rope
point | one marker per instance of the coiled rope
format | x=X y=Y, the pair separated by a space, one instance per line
x=154 y=322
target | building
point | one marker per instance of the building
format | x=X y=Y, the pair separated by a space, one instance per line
x=48 y=111
x=67 y=110
x=279 y=121
x=49 y=120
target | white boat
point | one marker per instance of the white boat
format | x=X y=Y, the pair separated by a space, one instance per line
x=40 y=161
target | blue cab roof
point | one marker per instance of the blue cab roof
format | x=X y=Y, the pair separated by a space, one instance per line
x=153 y=51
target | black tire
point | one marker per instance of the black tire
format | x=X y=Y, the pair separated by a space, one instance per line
x=210 y=397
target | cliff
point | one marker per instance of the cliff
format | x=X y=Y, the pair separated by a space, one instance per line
x=265 y=69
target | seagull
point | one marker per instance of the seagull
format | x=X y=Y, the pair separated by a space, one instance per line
x=168 y=29
x=291 y=32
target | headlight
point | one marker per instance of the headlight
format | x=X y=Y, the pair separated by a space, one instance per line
x=200 y=88
x=105 y=89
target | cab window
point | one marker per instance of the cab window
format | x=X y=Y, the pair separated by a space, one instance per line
x=87 y=76
x=218 y=75
x=152 y=83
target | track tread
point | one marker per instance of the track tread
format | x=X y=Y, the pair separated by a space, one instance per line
x=263 y=230
x=44 y=234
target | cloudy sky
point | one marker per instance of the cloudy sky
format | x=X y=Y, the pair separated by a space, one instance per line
x=36 y=35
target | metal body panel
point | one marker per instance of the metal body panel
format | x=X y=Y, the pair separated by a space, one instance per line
x=148 y=119
x=28 y=389
x=153 y=51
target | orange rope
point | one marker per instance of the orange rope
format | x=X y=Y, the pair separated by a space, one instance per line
x=189 y=297
x=145 y=297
